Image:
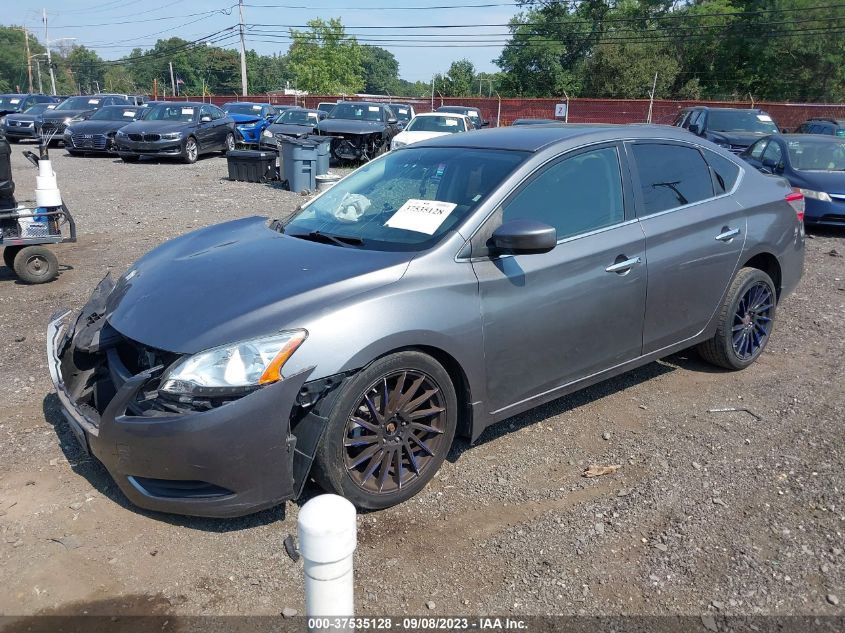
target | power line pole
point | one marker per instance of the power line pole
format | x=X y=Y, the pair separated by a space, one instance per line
x=49 y=57
x=243 y=49
x=172 y=80
x=28 y=56
x=38 y=68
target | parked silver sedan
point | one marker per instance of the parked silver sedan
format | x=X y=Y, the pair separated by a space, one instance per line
x=435 y=291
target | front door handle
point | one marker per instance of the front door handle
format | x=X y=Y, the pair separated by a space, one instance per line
x=624 y=266
x=727 y=234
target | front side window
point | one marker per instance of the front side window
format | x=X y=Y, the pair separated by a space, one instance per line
x=575 y=195
x=671 y=176
x=773 y=153
x=174 y=112
x=757 y=149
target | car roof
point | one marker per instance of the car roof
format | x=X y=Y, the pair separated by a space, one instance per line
x=454 y=108
x=252 y=103
x=720 y=108
x=187 y=104
x=812 y=138
x=454 y=114
x=826 y=120
x=533 y=138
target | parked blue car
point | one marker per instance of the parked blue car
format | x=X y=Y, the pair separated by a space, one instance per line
x=812 y=163
x=251 y=119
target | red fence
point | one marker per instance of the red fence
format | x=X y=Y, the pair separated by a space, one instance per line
x=504 y=111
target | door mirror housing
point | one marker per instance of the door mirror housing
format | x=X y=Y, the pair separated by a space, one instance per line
x=694 y=128
x=772 y=165
x=524 y=237
x=205 y=118
x=485 y=123
x=392 y=121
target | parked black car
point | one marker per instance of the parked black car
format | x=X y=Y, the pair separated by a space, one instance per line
x=813 y=164
x=293 y=122
x=97 y=133
x=831 y=127
x=404 y=113
x=178 y=129
x=731 y=128
x=360 y=129
x=73 y=109
x=474 y=114
x=15 y=103
x=25 y=125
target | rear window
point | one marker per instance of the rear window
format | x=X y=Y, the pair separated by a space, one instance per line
x=671 y=176
x=725 y=171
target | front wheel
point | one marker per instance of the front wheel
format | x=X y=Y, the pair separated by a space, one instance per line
x=745 y=321
x=12 y=139
x=229 y=145
x=389 y=431
x=191 y=151
x=129 y=158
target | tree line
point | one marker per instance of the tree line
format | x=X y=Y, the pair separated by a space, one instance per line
x=697 y=49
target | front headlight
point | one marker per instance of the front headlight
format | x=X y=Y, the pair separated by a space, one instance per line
x=397 y=144
x=267 y=134
x=233 y=368
x=815 y=195
x=170 y=136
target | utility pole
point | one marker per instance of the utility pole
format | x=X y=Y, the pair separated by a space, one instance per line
x=172 y=80
x=28 y=56
x=38 y=68
x=651 y=97
x=49 y=57
x=243 y=49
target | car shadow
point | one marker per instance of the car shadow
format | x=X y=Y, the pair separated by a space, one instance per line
x=824 y=231
x=7 y=274
x=95 y=473
x=169 y=160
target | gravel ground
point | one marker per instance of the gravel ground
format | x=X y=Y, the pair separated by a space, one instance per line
x=710 y=513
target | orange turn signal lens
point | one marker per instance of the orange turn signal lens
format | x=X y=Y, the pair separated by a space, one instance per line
x=273 y=373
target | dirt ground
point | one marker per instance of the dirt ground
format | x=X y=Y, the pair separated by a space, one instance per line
x=737 y=512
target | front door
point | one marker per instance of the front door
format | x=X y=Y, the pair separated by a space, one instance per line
x=552 y=318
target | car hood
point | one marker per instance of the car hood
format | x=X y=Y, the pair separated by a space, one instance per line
x=21 y=116
x=291 y=129
x=349 y=126
x=827 y=181
x=414 y=137
x=237 y=280
x=61 y=115
x=96 y=127
x=156 y=126
x=742 y=139
x=241 y=119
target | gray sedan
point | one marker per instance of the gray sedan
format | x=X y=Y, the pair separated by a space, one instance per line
x=433 y=292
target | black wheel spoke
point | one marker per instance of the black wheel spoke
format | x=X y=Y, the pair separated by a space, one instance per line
x=411 y=457
x=384 y=469
x=375 y=460
x=411 y=406
x=362 y=440
x=420 y=443
x=363 y=423
x=424 y=413
x=377 y=416
x=403 y=401
x=370 y=452
x=425 y=427
x=398 y=468
x=395 y=395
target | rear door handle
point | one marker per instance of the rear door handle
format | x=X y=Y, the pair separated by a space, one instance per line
x=727 y=234
x=623 y=266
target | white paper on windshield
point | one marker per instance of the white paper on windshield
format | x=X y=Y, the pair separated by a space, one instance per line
x=373 y=108
x=14 y=100
x=128 y=113
x=403 y=111
x=50 y=107
x=421 y=216
x=256 y=107
x=187 y=110
x=451 y=123
x=93 y=101
x=764 y=117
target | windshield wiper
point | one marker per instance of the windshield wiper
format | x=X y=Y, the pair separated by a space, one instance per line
x=328 y=238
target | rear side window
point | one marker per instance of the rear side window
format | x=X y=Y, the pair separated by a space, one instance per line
x=725 y=172
x=671 y=176
x=576 y=195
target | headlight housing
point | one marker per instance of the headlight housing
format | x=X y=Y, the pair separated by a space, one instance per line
x=397 y=144
x=815 y=195
x=235 y=368
x=267 y=134
x=170 y=136
x=121 y=134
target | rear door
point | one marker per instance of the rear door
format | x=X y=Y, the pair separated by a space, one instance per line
x=694 y=233
x=552 y=318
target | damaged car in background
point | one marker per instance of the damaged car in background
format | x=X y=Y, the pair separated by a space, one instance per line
x=426 y=295
x=360 y=130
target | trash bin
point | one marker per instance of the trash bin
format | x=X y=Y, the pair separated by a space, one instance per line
x=7 y=185
x=324 y=151
x=251 y=165
x=299 y=163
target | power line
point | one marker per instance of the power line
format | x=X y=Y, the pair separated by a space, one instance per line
x=224 y=11
x=486 y=5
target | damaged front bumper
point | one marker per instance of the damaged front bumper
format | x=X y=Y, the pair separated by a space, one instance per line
x=229 y=460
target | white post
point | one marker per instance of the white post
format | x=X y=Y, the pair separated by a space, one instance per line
x=327 y=540
x=651 y=97
x=243 y=49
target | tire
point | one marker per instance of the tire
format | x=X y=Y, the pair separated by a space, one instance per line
x=36 y=265
x=191 y=151
x=74 y=153
x=9 y=255
x=750 y=322
x=13 y=140
x=229 y=143
x=349 y=450
x=128 y=158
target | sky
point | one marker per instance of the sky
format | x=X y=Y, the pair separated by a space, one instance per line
x=114 y=27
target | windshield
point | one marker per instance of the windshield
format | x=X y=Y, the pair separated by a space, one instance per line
x=79 y=103
x=818 y=155
x=443 y=124
x=740 y=121
x=38 y=108
x=168 y=112
x=403 y=113
x=297 y=117
x=244 y=108
x=11 y=102
x=357 y=112
x=115 y=113
x=406 y=200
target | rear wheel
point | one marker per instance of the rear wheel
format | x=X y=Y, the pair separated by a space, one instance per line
x=9 y=255
x=36 y=264
x=745 y=321
x=128 y=158
x=12 y=139
x=191 y=151
x=389 y=431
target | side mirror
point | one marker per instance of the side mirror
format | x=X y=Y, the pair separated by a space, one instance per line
x=524 y=237
x=694 y=128
x=205 y=119
x=392 y=121
x=768 y=162
x=485 y=123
